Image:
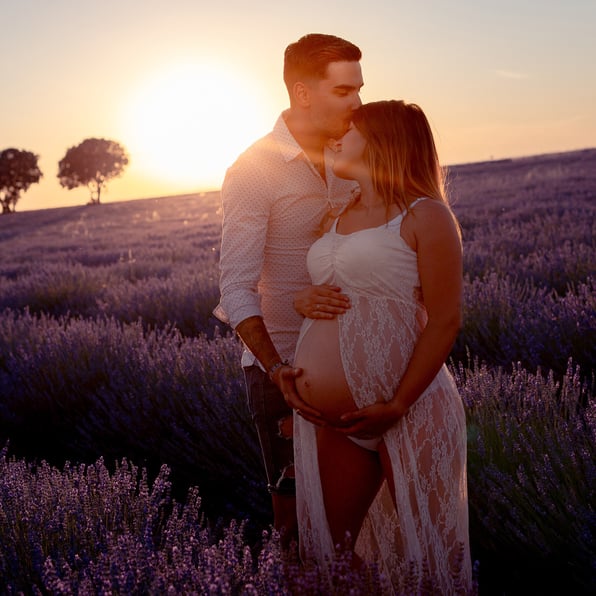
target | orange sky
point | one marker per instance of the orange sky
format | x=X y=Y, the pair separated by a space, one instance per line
x=185 y=85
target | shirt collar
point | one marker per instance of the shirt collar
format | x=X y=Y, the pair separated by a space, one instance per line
x=288 y=146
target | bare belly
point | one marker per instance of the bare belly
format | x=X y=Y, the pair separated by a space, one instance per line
x=323 y=383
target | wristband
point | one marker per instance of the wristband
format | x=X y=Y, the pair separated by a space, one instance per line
x=277 y=365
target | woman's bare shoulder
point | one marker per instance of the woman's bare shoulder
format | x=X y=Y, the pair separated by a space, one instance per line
x=431 y=212
x=427 y=216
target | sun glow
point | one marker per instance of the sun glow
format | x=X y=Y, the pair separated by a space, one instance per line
x=188 y=124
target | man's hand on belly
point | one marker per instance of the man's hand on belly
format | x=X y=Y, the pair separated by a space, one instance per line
x=285 y=378
x=321 y=302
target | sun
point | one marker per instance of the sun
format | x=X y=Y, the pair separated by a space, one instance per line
x=188 y=123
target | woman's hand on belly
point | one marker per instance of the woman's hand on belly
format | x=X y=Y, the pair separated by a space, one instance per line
x=371 y=421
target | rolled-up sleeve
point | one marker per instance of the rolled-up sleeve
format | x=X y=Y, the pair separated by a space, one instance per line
x=246 y=208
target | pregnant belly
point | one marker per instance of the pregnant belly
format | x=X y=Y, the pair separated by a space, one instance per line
x=323 y=383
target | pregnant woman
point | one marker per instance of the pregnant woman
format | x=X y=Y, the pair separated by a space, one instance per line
x=389 y=468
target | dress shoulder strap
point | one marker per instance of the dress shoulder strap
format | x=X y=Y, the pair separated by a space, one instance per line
x=416 y=201
x=399 y=217
x=396 y=221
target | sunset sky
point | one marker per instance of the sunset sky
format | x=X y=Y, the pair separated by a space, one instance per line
x=186 y=85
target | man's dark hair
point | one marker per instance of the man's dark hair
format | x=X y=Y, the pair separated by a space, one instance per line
x=309 y=57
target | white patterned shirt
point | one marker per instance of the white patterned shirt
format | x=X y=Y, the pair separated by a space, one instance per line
x=273 y=203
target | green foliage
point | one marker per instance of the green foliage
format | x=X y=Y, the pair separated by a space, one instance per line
x=92 y=163
x=18 y=171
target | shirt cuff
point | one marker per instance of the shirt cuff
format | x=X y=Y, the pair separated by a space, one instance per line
x=234 y=317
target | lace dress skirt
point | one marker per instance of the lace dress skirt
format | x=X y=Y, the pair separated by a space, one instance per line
x=424 y=542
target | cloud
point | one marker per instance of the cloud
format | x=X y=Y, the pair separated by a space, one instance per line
x=510 y=74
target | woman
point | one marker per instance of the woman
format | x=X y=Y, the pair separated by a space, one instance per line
x=390 y=467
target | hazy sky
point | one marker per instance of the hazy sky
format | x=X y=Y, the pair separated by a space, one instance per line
x=185 y=85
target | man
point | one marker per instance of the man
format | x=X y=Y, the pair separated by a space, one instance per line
x=274 y=198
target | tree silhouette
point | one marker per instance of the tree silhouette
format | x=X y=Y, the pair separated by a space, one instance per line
x=92 y=163
x=18 y=171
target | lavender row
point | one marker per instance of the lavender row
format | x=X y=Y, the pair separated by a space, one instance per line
x=98 y=529
x=532 y=218
x=108 y=348
x=88 y=530
x=506 y=319
x=78 y=389
x=531 y=477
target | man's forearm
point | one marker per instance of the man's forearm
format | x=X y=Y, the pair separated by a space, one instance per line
x=256 y=337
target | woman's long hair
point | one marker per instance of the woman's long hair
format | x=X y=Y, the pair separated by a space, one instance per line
x=400 y=152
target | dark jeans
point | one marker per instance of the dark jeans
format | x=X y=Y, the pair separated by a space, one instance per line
x=268 y=410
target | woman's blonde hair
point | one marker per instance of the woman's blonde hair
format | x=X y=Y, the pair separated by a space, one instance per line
x=400 y=151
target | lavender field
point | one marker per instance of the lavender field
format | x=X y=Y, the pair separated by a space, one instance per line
x=130 y=465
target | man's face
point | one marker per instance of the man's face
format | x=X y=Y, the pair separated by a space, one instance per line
x=333 y=99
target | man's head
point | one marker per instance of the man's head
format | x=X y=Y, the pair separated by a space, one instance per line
x=307 y=59
x=323 y=77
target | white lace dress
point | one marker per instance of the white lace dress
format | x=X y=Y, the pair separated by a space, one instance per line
x=428 y=534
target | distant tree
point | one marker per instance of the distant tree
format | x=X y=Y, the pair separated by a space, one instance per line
x=18 y=171
x=92 y=164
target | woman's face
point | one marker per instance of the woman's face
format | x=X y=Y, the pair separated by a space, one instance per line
x=349 y=157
